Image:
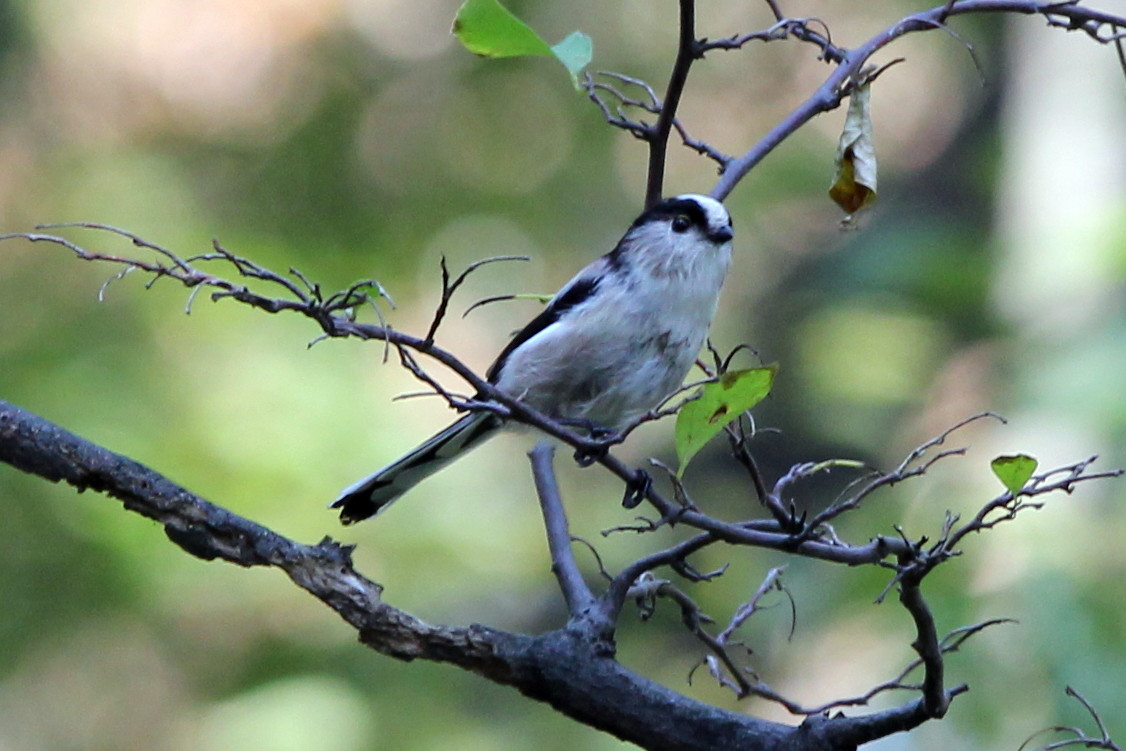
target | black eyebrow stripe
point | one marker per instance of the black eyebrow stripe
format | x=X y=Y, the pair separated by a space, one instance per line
x=673 y=207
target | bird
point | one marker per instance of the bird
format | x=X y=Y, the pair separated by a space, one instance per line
x=611 y=345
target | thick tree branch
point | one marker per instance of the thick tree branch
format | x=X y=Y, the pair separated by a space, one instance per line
x=567 y=668
x=927 y=645
x=573 y=667
x=585 y=644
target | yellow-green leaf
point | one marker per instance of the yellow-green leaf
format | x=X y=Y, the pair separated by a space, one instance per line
x=716 y=405
x=487 y=28
x=1014 y=471
x=854 y=184
x=575 y=52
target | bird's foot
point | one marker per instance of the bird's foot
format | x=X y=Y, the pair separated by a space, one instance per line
x=601 y=437
x=637 y=488
x=594 y=430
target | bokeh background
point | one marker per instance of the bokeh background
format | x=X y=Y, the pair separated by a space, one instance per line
x=354 y=139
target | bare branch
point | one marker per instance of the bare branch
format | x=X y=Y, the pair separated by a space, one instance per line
x=784 y=28
x=651 y=104
x=1006 y=506
x=913 y=465
x=618 y=591
x=1067 y=15
x=1081 y=738
x=739 y=440
x=575 y=590
x=702 y=147
x=926 y=644
x=449 y=288
x=410 y=362
x=787 y=515
x=771 y=582
x=687 y=52
x=564 y=667
x=505 y=298
x=334 y=314
x=950 y=643
x=721 y=664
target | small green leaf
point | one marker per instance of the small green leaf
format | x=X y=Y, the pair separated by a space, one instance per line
x=540 y=298
x=716 y=405
x=1014 y=471
x=487 y=28
x=575 y=52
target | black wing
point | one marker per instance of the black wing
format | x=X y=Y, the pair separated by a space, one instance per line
x=578 y=291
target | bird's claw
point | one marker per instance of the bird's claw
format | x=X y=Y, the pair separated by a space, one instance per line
x=637 y=488
x=588 y=456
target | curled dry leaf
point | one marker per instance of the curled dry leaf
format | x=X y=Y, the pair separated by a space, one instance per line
x=854 y=182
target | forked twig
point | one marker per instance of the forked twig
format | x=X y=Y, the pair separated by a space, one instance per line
x=450 y=287
x=1081 y=739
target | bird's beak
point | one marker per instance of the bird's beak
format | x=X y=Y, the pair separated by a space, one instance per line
x=721 y=235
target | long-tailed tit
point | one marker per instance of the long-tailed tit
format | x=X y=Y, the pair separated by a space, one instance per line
x=610 y=346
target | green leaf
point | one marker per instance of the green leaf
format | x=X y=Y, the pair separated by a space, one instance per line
x=575 y=52
x=1014 y=471
x=540 y=298
x=716 y=405
x=487 y=28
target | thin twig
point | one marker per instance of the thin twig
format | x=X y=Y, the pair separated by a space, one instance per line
x=913 y=465
x=771 y=582
x=449 y=288
x=1081 y=738
x=617 y=593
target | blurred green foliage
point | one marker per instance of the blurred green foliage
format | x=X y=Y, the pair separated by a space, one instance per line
x=355 y=139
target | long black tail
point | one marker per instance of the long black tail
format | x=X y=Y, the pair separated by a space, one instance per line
x=376 y=492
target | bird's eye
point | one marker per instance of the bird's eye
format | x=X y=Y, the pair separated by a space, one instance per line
x=681 y=223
